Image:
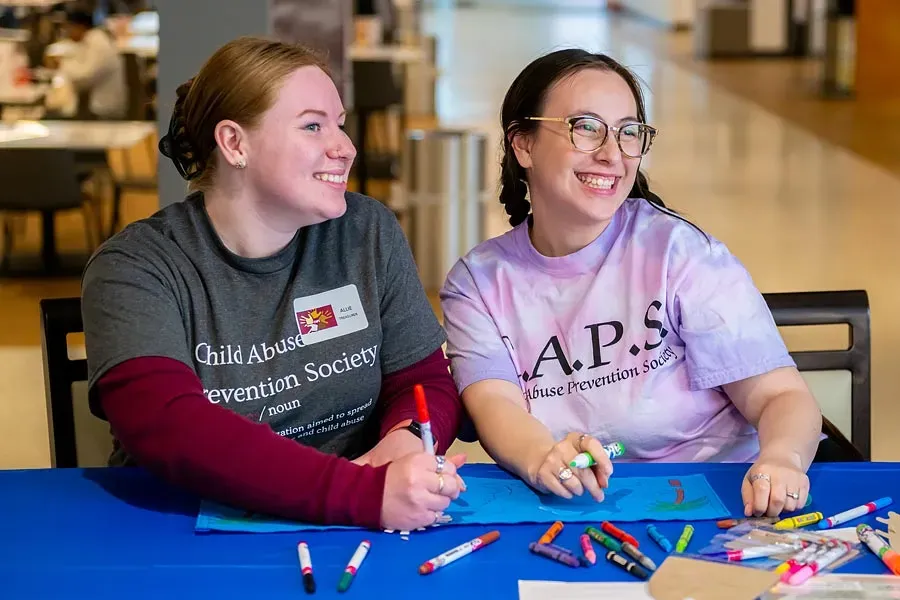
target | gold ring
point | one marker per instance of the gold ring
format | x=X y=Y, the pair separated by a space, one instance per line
x=440 y=483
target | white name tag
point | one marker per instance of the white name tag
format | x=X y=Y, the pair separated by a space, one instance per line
x=330 y=314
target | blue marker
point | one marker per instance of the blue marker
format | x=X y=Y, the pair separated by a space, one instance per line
x=855 y=513
x=659 y=538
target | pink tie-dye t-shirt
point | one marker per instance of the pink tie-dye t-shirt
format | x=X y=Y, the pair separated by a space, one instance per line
x=628 y=339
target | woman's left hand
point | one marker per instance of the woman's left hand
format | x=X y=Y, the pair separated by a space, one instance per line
x=774 y=484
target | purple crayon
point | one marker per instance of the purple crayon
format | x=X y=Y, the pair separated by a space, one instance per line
x=556 y=554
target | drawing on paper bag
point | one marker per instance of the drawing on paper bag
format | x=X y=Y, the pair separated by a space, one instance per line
x=494 y=497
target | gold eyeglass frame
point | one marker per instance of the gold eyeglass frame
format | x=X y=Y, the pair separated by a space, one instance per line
x=570 y=121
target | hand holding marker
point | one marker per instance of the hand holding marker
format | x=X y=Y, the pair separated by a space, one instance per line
x=585 y=460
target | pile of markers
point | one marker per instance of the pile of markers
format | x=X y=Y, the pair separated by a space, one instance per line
x=807 y=553
x=621 y=549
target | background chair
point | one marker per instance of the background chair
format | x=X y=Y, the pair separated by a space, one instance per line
x=847 y=420
x=77 y=438
x=45 y=181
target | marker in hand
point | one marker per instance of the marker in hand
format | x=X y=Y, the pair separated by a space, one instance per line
x=585 y=460
x=424 y=420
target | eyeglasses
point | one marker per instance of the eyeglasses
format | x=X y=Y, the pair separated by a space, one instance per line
x=588 y=134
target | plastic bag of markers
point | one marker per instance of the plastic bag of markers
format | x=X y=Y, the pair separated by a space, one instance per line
x=749 y=535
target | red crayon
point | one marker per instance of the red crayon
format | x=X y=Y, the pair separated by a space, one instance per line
x=588 y=549
x=618 y=533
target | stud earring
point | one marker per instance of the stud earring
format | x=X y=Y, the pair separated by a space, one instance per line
x=240 y=164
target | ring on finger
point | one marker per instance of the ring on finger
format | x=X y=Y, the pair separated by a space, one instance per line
x=581 y=439
x=565 y=474
x=794 y=495
x=758 y=476
x=440 y=460
x=440 y=483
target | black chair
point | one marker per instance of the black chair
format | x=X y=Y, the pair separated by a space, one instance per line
x=59 y=318
x=836 y=308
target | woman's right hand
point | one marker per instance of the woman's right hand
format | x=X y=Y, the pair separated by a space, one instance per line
x=413 y=492
x=554 y=475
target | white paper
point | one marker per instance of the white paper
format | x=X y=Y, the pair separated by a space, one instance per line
x=562 y=590
x=840 y=587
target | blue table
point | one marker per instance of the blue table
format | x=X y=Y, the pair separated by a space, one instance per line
x=114 y=533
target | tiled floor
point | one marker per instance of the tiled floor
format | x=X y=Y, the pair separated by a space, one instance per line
x=795 y=191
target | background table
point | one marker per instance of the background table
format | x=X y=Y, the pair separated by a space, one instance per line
x=114 y=533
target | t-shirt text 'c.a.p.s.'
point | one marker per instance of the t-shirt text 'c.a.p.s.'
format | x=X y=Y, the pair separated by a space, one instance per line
x=630 y=338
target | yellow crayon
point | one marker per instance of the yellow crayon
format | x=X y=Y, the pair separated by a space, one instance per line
x=799 y=521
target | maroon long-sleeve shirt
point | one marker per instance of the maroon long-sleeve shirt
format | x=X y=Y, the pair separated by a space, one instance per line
x=157 y=411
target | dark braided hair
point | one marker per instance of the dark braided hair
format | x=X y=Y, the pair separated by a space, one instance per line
x=525 y=98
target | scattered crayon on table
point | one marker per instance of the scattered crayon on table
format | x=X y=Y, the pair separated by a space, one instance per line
x=551 y=533
x=685 y=539
x=659 y=538
x=630 y=566
x=619 y=534
x=588 y=549
x=554 y=554
x=601 y=538
x=799 y=521
x=639 y=556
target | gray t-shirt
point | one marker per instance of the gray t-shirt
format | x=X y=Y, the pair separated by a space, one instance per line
x=299 y=340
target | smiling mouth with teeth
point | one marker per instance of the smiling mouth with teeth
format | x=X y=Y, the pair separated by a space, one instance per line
x=331 y=178
x=597 y=182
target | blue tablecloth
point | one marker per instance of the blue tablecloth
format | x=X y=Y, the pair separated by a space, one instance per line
x=121 y=533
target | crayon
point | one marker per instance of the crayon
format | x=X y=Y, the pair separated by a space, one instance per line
x=554 y=554
x=454 y=554
x=353 y=566
x=868 y=537
x=601 y=538
x=562 y=550
x=685 y=539
x=659 y=538
x=632 y=567
x=588 y=549
x=584 y=460
x=309 y=584
x=799 y=521
x=551 y=533
x=855 y=513
x=639 y=556
x=617 y=533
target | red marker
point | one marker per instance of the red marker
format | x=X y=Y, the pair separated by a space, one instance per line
x=424 y=420
x=456 y=553
x=618 y=533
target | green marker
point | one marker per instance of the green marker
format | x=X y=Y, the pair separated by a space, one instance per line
x=585 y=460
x=353 y=565
x=685 y=538
x=601 y=538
